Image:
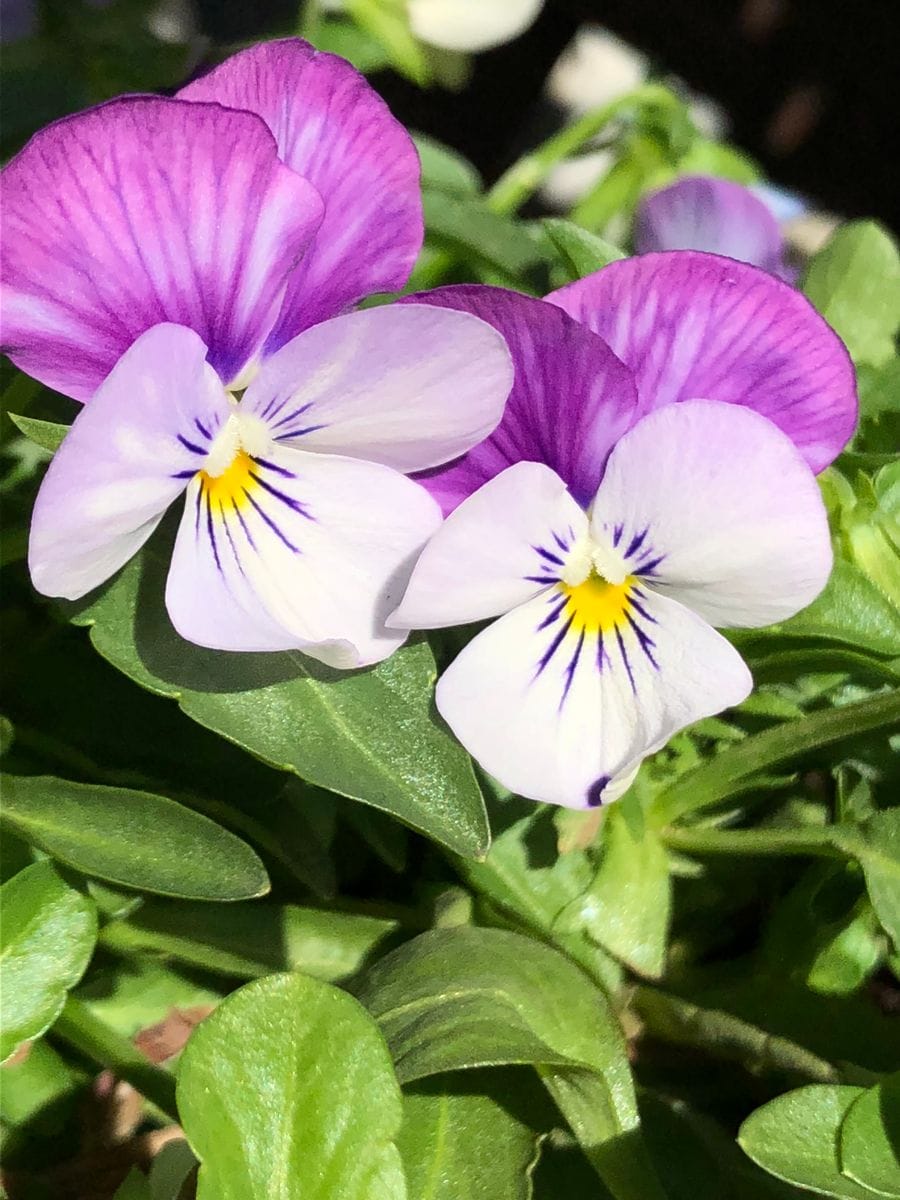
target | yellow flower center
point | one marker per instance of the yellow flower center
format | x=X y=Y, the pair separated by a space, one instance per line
x=232 y=486
x=596 y=605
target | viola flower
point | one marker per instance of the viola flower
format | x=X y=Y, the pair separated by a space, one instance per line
x=275 y=192
x=605 y=647
x=639 y=335
x=299 y=530
x=700 y=212
x=160 y=256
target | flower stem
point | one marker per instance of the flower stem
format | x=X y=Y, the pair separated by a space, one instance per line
x=819 y=842
x=524 y=177
x=79 y=1028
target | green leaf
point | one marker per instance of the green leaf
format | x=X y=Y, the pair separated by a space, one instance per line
x=286 y=1092
x=371 y=735
x=467 y=226
x=870 y=1138
x=135 y=1186
x=46 y=941
x=795 y=1137
x=463 y=1140
x=347 y=39
x=170 y=1170
x=854 y=282
x=443 y=170
x=627 y=906
x=133 y=838
x=461 y=998
x=388 y=23
x=877 y=846
x=46 y=434
x=731 y=769
x=248 y=940
x=851 y=609
x=580 y=253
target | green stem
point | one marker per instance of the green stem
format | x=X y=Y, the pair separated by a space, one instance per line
x=816 y=842
x=79 y=1028
x=524 y=177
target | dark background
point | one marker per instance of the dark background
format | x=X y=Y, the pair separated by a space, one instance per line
x=810 y=85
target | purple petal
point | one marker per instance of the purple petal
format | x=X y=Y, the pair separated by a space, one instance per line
x=695 y=326
x=571 y=401
x=335 y=131
x=139 y=212
x=715 y=215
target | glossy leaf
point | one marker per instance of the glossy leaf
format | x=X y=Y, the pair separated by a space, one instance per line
x=854 y=282
x=46 y=434
x=46 y=940
x=133 y=838
x=287 y=1093
x=371 y=735
x=878 y=850
x=443 y=170
x=461 y=998
x=627 y=906
x=870 y=1138
x=247 y=940
x=730 y=770
x=580 y=252
x=795 y=1137
x=462 y=1139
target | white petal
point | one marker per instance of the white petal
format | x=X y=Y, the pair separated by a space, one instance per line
x=471 y=25
x=507 y=542
x=125 y=459
x=298 y=551
x=714 y=505
x=410 y=386
x=558 y=711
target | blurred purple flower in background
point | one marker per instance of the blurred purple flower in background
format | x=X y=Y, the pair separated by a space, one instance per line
x=703 y=213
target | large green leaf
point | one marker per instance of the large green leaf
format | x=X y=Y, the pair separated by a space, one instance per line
x=870 y=1138
x=580 y=252
x=443 y=170
x=795 y=1137
x=371 y=735
x=467 y=226
x=460 y=998
x=731 y=769
x=46 y=940
x=133 y=838
x=854 y=282
x=287 y=1093
x=462 y=1139
x=248 y=940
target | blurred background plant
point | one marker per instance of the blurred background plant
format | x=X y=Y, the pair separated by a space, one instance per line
x=731 y=1027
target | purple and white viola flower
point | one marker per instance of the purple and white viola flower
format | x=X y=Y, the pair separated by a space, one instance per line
x=275 y=192
x=160 y=257
x=299 y=530
x=641 y=334
x=605 y=647
x=701 y=212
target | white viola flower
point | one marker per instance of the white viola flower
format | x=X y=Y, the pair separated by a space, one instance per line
x=706 y=516
x=471 y=25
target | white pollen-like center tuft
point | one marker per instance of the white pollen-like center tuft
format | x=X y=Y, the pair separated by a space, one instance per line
x=588 y=557
x=242 y=431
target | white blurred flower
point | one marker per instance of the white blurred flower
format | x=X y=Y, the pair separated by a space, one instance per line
x=471 y=25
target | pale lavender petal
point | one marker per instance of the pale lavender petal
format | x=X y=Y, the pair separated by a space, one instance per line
x=700 y=212
x=694 y=326
x=713 y=505
x=571 y=401
x=130 y=452
x=141 y=211
x=408 y=386
x=337 y=132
